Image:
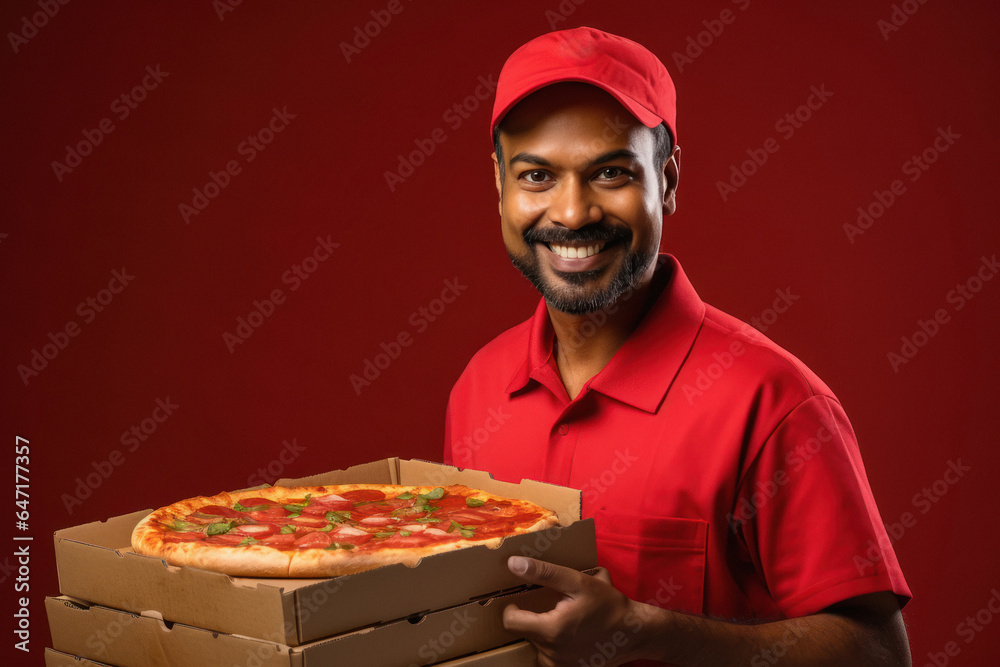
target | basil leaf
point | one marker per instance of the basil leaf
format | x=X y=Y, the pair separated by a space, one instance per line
x=326 y=529
x=294 y=508
x=336 y=516
x=465 y=532
x=427 y=519
x=384 y=534
x=404 y=496
x=405 y=533
x=220 y=528
x=474 y=502
x=239 y=508
x=184 y=526
x=337 y=545
x=247 y=541
x=430 y=508
x=294 y=515
x=406 y=511
x=453 y=526
x=285 y=530
x=433 y=494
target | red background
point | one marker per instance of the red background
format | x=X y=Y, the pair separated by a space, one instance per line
x=324 y=175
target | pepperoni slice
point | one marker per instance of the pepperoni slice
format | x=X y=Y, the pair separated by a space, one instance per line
x=177 y=536
x=309 y=521
x=279 y=540
x=227 y=540
x=257 y=530
x=219 y=510
x=270 y=514
x=328 y=505
x=352 y=539
x=376 y=521
x=314 y=541
x=358 y=495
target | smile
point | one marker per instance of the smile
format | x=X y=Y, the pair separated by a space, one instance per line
x=574 y=252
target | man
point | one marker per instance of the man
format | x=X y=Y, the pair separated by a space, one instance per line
x=730 y=501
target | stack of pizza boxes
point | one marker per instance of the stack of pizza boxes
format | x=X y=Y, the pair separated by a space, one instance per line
x=120 y=608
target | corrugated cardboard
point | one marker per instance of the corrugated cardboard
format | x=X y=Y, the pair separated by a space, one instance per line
x=96 y=563
x=126 y=639
x=55 y=658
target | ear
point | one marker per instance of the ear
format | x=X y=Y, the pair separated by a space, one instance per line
x=499 y=184
x=671 y=175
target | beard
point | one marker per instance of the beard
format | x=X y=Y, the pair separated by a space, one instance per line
x=579 y=292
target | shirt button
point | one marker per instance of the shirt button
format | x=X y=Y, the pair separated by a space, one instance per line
x=563 y=429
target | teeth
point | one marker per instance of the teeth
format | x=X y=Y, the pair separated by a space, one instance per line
x=573 y=252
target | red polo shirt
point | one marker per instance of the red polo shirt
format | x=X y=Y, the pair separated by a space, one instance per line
x=723 y=475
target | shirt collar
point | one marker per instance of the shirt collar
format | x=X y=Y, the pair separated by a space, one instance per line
x=643 y=369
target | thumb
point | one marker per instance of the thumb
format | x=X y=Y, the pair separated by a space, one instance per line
x=563 y=579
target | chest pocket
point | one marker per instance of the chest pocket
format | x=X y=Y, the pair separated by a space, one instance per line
x=656 y=560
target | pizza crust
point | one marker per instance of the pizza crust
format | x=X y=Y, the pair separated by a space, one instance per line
x=257 y=560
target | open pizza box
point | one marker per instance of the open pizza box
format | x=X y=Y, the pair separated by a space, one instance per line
x=124 y=639
x=96 y=563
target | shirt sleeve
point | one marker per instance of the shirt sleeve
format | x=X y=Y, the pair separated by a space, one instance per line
x=809 y=518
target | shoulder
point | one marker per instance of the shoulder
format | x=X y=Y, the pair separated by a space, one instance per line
x=756 y=358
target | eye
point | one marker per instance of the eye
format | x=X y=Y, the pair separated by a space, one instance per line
x=610 y=173
x=536 y=176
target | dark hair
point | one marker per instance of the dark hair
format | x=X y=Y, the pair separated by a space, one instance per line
x=662 y=147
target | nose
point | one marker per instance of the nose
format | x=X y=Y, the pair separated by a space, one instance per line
x=573 y=205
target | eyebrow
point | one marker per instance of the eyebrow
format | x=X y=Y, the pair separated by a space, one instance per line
x=531 y=158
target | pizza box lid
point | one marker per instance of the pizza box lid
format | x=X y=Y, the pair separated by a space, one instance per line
x=461 y=635
x=95 y=562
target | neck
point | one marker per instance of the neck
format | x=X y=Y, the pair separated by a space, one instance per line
x=584 y=344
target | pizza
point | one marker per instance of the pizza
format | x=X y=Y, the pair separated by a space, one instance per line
x=326 y=531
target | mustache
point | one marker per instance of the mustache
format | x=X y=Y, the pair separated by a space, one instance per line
x=595 y=232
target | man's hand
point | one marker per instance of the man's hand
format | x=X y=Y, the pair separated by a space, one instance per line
x=591 y=620
x=594 y=623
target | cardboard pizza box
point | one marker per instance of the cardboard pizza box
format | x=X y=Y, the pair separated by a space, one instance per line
x=54 y=658
x=125 y=639
x=95 y=562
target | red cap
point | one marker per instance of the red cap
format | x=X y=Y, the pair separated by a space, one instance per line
x=625 y=69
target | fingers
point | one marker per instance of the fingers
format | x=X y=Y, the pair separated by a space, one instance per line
x=563 y=579
x=520 y=621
